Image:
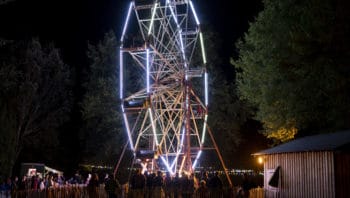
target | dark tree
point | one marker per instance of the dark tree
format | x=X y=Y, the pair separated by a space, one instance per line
x=294 y=67
x=35 y=96
x=227 y=113
x=102 y=133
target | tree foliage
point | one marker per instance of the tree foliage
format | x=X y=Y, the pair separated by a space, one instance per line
x=100 y=106
x=34 y=96
x=226 y=112
x=293 y=66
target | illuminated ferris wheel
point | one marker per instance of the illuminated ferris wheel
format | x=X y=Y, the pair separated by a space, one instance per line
x=163 y=84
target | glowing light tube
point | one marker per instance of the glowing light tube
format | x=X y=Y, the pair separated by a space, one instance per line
x=147 y=70
x=152 y=19
x=194 y=13
x=128 y=130
x=204 y=128
x=181 y=146
x=182 y=48
x=182 y=44
x=126 y=21
x=202 y=46
x=172 y=13
x=206 y=88
x=167 y=165
x=121 y=76
x=153 y=126
x=175 y=160
x=182 y=137
x=196 y=160
x=182 y=164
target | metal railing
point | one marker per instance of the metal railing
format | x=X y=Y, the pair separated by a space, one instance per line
x=83 y=192
x=60 y=192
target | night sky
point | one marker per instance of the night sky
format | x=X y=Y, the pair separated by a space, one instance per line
x=70 y=24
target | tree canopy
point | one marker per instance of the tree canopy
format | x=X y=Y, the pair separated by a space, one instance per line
x=101 y=106
x=35 y=96
x=294 y=67
x=226 y=112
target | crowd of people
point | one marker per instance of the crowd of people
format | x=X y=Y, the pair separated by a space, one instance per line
x=9 y=186
x=157 y=185
x=140 y=185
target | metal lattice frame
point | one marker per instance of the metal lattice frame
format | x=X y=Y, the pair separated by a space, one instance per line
x=166 y=115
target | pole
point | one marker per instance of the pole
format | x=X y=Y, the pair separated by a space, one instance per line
x=219 y=154
x=120 y=159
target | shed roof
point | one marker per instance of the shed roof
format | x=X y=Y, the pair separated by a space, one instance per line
x=322 y=142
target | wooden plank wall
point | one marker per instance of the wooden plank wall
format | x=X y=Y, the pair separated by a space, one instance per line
x=342 y=174
x=303 y=174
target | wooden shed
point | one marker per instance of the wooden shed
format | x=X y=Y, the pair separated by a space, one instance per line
x=314 y=166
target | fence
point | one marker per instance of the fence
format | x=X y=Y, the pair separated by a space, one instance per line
x=82 y=192
x=256 y=193
x=60 y=192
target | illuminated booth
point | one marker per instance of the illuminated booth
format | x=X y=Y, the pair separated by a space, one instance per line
x=32 y=169
x=313 y=166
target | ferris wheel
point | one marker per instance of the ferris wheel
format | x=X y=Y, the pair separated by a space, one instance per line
x=164 y=84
